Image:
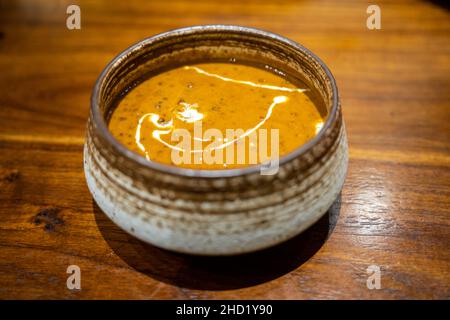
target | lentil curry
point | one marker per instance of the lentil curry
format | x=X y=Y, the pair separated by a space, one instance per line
x=220 y=96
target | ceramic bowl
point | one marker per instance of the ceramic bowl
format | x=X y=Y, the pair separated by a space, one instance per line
x=214 y=212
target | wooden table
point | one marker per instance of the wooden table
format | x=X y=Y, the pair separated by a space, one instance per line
x=394 y=211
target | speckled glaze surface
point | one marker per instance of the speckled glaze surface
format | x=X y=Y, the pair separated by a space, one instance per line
x=218 y=212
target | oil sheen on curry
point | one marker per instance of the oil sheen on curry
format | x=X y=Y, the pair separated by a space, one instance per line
x=216 y=116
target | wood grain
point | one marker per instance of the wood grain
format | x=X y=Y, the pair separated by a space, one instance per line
x=393 y=212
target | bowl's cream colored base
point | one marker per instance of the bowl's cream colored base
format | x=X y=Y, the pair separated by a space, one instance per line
x=216 y=234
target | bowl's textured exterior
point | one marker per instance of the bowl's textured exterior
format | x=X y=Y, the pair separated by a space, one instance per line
x=218 y=212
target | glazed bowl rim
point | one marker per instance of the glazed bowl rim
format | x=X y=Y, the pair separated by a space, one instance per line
x=102 y=128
